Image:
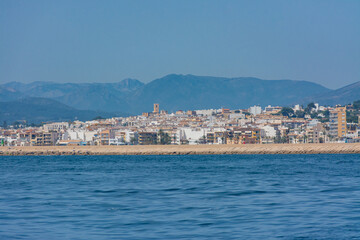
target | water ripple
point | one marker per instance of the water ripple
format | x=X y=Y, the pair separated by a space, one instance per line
x=180 y=197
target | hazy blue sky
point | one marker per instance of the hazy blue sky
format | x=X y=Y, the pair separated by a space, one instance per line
x=107 y=41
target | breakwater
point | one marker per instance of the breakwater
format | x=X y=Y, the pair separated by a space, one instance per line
x=337 y=148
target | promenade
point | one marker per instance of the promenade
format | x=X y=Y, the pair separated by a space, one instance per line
x=325 y=148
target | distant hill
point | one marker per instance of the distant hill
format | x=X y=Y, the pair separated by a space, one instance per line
x=86 y=96
x=174 y=92
x=9 y=94
x=36 y=110
x=344 y=95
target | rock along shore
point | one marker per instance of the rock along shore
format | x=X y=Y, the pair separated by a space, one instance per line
x=325 y=148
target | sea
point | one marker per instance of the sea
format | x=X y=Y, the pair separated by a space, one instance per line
x=180 y=197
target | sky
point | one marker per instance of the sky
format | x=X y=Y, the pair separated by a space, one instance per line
x=107 y=41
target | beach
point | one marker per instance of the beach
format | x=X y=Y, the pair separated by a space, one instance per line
x=324 y=148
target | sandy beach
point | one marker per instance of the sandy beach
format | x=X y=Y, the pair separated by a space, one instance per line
x=339 y=148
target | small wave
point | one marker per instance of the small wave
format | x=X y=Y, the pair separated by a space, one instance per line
x=172 y=189
x=246 y=193
x=344 y=189
x=105 y=191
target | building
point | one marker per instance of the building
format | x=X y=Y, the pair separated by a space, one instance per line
x=105 y=136
x=56 y=126
x=255 y=110
x=272 y=109
x=191 y=113
x=220 y=137
x=147 y=138
x=190 y=135
x=338 y=122
x=225 y=111
x=315 y=134
x=297 y=107
x=208 y=112
x=45 y=138
x=268 y=134
x=156 y=108
x=244 y=136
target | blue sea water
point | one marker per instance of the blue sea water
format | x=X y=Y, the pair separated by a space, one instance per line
x=180 y=197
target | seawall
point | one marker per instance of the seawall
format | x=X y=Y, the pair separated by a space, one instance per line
x=325 y=148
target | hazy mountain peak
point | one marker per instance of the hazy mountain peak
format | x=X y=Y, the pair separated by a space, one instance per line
x=131 y=83
x=343 y=95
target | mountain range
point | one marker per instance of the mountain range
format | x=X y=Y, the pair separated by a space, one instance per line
x=174 y=92
x=37 y=110
x=85 y=96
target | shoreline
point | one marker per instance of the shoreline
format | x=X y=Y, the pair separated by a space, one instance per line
x=309 y=148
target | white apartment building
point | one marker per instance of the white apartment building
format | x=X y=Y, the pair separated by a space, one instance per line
x=192 y=135
x=255 y=110
x=56 y=126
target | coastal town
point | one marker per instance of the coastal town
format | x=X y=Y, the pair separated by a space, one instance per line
x=256 y=125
